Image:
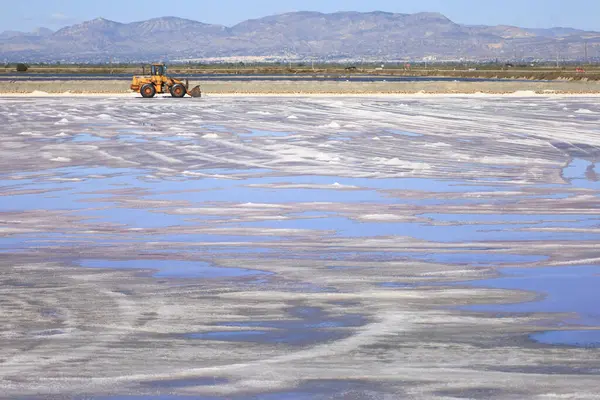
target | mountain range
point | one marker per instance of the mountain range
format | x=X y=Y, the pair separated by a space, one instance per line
x=373 y=36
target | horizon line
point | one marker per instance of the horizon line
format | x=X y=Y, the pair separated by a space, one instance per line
x=293 y=12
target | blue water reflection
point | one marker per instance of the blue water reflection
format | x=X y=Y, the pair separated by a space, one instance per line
x=572 y=289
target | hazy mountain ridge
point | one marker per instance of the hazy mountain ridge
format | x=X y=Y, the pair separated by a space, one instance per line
x=39 y=32
x=298 y=35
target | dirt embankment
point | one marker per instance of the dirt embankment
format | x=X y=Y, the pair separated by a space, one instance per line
x=568 y=72
x=303 y=87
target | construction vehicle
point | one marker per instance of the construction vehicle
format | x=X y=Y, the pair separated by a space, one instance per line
x=160 y=82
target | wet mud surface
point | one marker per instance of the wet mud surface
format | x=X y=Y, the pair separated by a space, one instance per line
x=299 y=248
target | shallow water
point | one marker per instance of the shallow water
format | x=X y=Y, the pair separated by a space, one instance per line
x=480 y=259
x=369 y=199
x=411 y=134
x=582 y=173
x=462 y=232
x=574 y=338
x=307 y=390
x=572 y=289
x=87 y=138
x=172 y=268
x=259 y=133
x=186 y=382
x=312 y=325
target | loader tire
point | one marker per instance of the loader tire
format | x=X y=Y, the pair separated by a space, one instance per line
x=148 y=90
x=178 y=90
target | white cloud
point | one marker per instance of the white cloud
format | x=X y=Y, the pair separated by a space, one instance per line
x=58 y=16
x=59 y=20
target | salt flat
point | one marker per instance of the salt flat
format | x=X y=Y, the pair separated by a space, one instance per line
x=298 y=247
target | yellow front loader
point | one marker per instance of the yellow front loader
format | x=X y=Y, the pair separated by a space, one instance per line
x=159 y=82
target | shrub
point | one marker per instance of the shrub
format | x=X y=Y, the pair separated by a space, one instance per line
x=22 y=67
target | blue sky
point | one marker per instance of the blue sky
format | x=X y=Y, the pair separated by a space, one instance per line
x=28 y=14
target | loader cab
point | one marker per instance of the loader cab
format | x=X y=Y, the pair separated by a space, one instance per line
x=158 y=69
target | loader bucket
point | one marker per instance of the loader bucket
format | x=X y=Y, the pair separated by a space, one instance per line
x=195 y=92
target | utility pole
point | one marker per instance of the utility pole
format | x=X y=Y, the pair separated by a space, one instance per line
x=586 y=51
x=557 y=57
